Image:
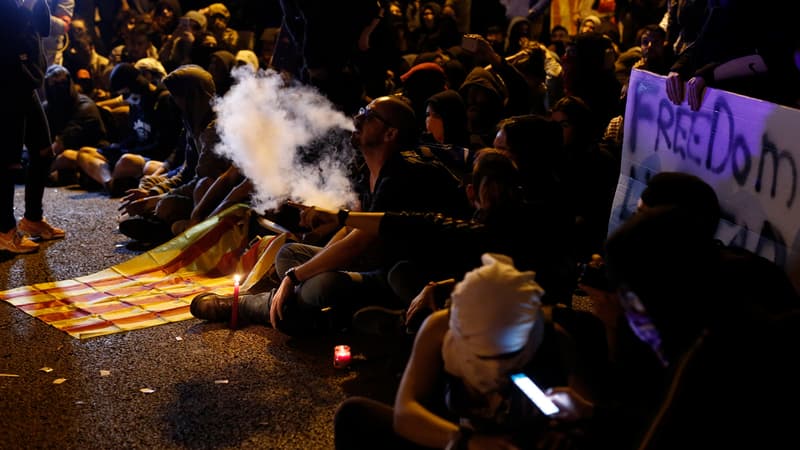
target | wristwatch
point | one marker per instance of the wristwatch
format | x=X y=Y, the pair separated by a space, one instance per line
x=292 y=276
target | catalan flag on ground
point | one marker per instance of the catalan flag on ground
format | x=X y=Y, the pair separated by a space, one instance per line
x=155 y=287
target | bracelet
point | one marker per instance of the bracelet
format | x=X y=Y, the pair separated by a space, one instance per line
x=342 y=215
x=292 y=276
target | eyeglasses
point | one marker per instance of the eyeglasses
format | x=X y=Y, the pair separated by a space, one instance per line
x=366 y=113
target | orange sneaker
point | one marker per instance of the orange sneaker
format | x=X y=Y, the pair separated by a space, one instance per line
x=16 y=242
x=40 y=229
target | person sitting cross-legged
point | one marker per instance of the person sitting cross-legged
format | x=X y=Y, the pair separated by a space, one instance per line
x=351 y=270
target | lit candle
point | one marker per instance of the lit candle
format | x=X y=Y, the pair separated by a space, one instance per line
x=235 y=309
x=341 y=356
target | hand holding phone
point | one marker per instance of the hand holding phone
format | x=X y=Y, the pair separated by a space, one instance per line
x=537 y=396
x=469 y=43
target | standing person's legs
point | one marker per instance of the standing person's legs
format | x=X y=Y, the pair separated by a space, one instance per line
x=40 y=155
x=40 y=158
x=12 y=128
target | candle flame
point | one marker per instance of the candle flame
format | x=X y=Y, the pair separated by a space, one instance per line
x=236 y=278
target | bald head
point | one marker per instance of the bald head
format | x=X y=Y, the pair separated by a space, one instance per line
x=398 y=114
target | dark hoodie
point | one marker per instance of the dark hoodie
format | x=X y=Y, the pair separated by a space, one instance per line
x=444 y=33
x=450 y=106
x=514 y=34
x=483 y=115
x=194 y=85
x=72 y=117
x=219 y=66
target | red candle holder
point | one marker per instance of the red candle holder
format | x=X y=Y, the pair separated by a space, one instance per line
x=341 y=356
x=235 y=308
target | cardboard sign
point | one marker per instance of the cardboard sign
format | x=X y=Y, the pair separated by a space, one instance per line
x=748 y=150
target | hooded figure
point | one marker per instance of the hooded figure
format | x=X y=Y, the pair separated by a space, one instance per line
x=484 y=96
x=193 y=89
x=436 y=31
x=73 y=118
x=518 y=34
x=450 y=109
x=220 y=65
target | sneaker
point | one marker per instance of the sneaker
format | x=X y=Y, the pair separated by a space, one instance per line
x=212 y=307
x=379 y=321
x=16 y=242
x=40 y=229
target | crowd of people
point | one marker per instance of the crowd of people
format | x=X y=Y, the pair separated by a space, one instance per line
x=489 y=138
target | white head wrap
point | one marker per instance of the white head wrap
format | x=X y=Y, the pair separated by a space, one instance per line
x=495 y=310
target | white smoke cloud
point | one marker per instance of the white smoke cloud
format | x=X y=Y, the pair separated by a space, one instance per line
x=262 y=123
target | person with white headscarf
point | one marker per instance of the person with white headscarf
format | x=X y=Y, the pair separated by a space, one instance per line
x=495 y=327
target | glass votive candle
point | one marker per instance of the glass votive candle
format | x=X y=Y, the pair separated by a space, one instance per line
x=341 y=356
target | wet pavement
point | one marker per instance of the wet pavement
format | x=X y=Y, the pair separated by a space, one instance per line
x=205 y=385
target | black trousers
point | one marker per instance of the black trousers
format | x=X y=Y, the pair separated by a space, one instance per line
x=23 y=122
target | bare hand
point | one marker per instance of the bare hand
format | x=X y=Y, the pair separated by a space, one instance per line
x=675 y=88
x=314 y=217
x=695 y=88
x=282 y=295
x=572 y=406
x=133 y=194
x=484 y=51
x=141 y=206
x=425 y=300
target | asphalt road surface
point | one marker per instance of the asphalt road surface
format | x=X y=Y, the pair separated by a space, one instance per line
x=211 y=387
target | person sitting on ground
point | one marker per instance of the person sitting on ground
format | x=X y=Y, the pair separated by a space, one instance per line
x=177 y=48
x=152 y=133
x=350 y=272
x=491 y=94
x=74 y=121
x=709 y=332
x=152 y=70
x=456 y=391
x=441 y=247
x=155 y=208
x=589 y=173
x=218 y=17
x=82 y=54
x=220 y=64
x=446 y=131
x=247 y=58
x=138 y=43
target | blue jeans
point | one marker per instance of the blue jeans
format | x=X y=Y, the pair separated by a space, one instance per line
x=329 y=299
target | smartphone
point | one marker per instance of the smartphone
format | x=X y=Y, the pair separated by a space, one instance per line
x=469 y=44
x=537 y=396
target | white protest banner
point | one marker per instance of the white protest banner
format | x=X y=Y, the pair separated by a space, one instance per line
x=748 y=150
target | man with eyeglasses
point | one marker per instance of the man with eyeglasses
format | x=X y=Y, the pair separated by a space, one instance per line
x=351 y=270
